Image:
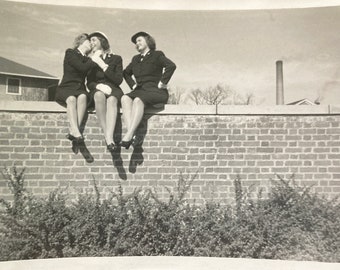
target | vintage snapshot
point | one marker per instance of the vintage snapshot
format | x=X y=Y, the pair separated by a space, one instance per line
x=170 y=134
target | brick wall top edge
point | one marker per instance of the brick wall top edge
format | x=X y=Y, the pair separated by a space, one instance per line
x=41 y=106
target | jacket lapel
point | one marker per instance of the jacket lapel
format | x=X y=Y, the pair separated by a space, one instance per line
x=147 y=56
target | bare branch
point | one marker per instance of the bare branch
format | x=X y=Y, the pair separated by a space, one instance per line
x=175 y=95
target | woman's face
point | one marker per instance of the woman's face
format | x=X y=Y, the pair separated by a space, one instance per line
x=141 y=44
x=95 y=43
x=87 y=45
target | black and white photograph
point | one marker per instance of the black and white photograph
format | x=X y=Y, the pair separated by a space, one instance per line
x=164 y=135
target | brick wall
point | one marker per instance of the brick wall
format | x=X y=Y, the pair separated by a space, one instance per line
x=217 y=142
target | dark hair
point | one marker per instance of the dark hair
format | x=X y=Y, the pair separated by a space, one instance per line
x=80 y=40
x=150 y=41
x=103 y=42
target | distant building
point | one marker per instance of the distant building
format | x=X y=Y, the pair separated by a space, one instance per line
x=20 y=82
x=304 y=101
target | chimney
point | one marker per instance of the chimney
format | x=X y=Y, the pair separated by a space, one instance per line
x=279 y=83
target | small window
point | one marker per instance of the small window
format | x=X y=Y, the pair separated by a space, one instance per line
x=13 y=86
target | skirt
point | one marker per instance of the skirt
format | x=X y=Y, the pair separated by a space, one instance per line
x=117 y=93
x=150 y=94
x=62 y=93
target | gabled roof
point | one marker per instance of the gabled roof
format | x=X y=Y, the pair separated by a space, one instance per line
x=10 y=67
x=304 y=101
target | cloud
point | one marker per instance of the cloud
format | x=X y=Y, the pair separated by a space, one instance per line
x=11 y=39
x=27 y=10
x=193 y=5
x=61 y=21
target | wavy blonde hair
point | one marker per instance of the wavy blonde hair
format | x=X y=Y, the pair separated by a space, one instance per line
x=79 y=40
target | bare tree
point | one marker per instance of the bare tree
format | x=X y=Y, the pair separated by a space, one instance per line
x=175 y=95
x=211 y=96
x=249 y=99
x=220 y=94
x=215 y=95
x=197 y=96
x=237 y=99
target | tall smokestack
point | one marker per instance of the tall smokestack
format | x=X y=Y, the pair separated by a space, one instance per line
x=279 y=83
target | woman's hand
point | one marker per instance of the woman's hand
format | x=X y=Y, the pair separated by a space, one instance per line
x=98 y=60
x=162 y=85
x=97 y=53
x=96 y=56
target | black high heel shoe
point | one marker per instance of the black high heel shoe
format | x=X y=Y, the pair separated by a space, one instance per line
x=74 y=139
x=70 y=137
x=76 y=142
x=111 y=147
x=126 y=144
x=137 y=141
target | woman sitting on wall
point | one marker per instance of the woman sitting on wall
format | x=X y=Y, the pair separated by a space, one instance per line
x=152 y=71
x=71 y=92
x=103 y=82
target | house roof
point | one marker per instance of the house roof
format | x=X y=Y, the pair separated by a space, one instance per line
x=304 y=101
x=10 y=67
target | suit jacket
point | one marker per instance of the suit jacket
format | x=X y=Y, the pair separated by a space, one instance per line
x=113 y=75
x=149 y=71
x=76 y=67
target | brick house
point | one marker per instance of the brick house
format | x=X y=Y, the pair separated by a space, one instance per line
x=20 y=82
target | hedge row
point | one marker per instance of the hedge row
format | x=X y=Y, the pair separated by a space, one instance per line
x=290 y=223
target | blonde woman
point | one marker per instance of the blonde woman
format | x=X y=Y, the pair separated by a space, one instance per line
x=71 y=92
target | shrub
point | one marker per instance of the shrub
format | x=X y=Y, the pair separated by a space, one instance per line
x=290 y=223
x=32 y=227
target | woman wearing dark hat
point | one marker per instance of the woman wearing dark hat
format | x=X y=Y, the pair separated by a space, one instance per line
x=103 y=82
x=152 y=72
x=71 y=92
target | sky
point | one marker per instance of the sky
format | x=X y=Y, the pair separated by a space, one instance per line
x=236 y=46
x=191 y=4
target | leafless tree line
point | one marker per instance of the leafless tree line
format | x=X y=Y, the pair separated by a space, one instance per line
x=216 y=95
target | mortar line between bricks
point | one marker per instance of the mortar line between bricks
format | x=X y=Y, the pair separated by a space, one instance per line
x=223 y=145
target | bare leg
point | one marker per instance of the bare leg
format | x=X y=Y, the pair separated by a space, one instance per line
x=71 y=110
x=100 y=103
x=81 y=108
x=137 y=115
x=127 y=110
x=111 y=117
